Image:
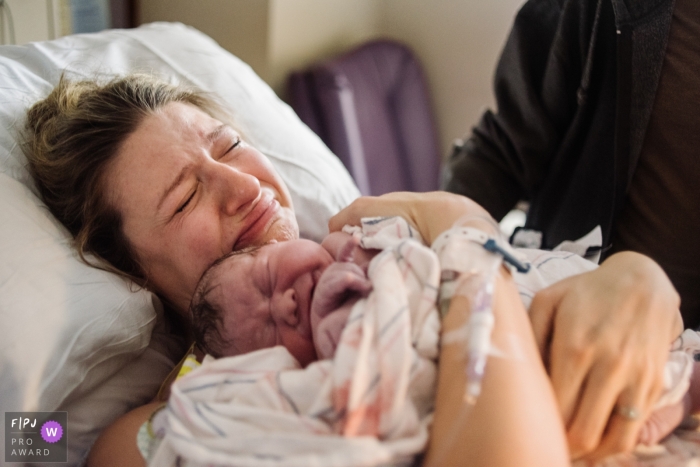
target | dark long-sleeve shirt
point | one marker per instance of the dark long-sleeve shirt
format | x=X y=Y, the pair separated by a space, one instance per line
x=575 y=88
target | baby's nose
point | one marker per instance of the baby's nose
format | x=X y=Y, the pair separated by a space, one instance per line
x=285 y=307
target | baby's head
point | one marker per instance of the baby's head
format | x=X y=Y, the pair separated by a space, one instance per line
x=258 y=298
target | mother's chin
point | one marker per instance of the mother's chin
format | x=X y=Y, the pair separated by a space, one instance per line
x=268 y=222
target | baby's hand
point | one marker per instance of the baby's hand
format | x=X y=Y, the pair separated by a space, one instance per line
x=338 y=282
x=663 y=421
x=344 y=247
x=336 y=292
x=327 y=334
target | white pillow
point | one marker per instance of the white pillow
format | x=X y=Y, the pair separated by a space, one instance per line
x=79 y=339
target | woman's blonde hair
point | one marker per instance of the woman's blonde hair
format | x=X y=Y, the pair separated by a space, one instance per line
x=71 y=137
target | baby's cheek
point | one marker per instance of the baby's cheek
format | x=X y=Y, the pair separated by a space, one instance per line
x=303 y=351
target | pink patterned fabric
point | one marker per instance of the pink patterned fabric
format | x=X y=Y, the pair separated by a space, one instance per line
x=370 y=405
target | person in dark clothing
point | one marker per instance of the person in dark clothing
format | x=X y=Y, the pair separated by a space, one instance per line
x=597 y=124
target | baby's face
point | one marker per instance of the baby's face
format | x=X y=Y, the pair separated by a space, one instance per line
x=265 y=297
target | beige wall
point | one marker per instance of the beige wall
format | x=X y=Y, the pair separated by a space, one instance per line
x=30 y=19
x=304 y=31
x=458 y=43
x=240 y=26
x=273 y=36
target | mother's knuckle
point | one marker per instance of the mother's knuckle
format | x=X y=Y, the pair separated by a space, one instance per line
x=622 y=364
x=578 y=355
x=579 y=349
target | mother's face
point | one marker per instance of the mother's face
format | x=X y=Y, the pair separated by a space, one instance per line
x=189 y=191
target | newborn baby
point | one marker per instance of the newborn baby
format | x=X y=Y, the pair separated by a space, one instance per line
x=297 y=294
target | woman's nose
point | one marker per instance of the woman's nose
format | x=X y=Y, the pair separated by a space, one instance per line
x=285 y=307
x=236 y=188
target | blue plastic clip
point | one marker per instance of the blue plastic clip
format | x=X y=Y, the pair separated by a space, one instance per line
x=494 y=247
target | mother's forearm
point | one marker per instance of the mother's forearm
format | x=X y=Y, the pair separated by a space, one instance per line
x=515 y=421
x=430 y=213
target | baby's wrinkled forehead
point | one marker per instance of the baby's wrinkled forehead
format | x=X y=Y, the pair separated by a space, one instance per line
x=211 y=277
x=218 y=267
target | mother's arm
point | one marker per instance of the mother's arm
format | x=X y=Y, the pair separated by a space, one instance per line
x=515 y=421
x=604 y=334
x=116 y=446
x=430 y=213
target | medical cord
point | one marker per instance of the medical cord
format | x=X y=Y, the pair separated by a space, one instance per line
x=479 y=330
x=471 y=273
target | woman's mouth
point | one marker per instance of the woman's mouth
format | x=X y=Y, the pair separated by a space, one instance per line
x=258 y=222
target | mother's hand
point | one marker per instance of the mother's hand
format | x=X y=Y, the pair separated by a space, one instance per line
x=605 y=337
x=430 y=213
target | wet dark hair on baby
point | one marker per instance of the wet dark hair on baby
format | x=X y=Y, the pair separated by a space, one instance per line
x=207 y=317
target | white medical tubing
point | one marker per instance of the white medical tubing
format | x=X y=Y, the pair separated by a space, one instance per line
x=470 y=254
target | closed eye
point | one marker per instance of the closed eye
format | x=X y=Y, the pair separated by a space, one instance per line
x=184 y=205
x=235 y=144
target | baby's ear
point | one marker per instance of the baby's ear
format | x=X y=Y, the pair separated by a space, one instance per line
x=285 y=307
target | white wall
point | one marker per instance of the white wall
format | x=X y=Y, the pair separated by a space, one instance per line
x=458 y=43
